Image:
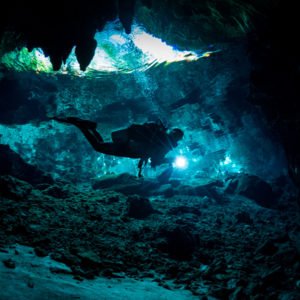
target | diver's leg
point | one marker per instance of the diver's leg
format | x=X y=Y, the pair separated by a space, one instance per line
x=99 y=145
x=94 y=138
x=97 y=135
x=76 y=121
x=140 y=165
x=88 y=128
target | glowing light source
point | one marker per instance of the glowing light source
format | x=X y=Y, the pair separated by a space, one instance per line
x=227 y=160
x=180 y=162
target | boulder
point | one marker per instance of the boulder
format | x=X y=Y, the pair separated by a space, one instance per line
x=139 y=208
x=256 y=189
x=11 y=163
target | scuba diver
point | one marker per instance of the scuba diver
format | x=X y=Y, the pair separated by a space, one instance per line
x=146 y=141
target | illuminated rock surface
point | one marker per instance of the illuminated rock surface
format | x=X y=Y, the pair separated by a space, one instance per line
x=43 y=278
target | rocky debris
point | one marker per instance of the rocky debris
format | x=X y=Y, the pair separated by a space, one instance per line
x=89 y=260
x=12 y=164
x=166 y=190
x=267 y=248
x=230 y=185
x=216 y=249
x=139 y=208
x=40 y=251
x=244 y=217
x=14 y=188
x=184 y=209
x=126 y=183
x=62 y=269
x=57 y=191
x=199 y=191
x=254 y=188
x=9 y=263
x=180 y=242
x=129 y=185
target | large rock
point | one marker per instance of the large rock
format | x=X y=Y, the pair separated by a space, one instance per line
x=11 y=163
x=255 y=188
x=139 y=208
x=180 y=242
x=127 y=184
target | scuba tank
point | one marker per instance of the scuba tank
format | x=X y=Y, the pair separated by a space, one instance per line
x=144 y=133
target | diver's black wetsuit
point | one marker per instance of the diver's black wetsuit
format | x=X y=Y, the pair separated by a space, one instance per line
x=149 y=140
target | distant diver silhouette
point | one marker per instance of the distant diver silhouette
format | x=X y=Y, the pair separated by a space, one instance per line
x=146 y=141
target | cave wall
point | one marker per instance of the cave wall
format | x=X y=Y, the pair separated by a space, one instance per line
x=209 y=99
x=266 y=29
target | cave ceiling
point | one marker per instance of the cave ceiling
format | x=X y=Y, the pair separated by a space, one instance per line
x=58 y=26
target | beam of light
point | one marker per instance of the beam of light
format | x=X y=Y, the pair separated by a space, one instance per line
x=180 y=162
